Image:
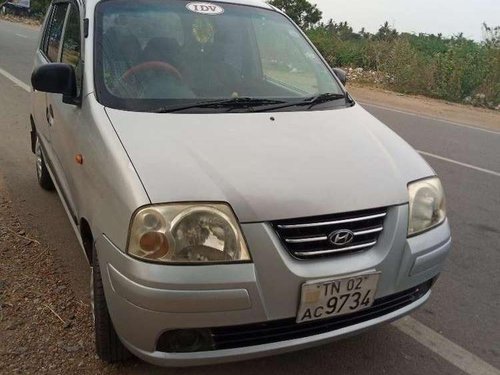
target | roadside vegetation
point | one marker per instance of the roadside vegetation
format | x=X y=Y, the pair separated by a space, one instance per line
x=36 y=11
x=450 y=68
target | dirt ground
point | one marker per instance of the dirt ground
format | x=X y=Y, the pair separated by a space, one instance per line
x=421 y=105
x=25 y=20
x=44 y=328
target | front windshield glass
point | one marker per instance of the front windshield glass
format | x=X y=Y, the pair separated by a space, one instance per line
x=154 y=54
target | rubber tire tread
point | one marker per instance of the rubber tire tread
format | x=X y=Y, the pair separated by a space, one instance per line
x=108 y=345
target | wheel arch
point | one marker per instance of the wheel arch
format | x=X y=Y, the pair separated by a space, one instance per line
x=33 y=134
x=87 y=239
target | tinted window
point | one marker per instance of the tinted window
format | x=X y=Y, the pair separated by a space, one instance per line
x=43 y=43
x=55 y=28
x=71 y=49
x=151 y=54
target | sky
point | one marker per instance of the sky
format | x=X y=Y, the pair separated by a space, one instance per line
x=448 y=17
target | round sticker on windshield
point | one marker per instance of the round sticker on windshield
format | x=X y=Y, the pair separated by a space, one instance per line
x=205 y=8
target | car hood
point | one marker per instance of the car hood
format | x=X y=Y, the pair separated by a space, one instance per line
x=271 y=166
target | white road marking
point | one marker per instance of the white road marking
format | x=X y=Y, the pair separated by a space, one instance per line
x=453 y=353
x=430 y=118
x=460 y=163
x=22 y=36
x=17 y=81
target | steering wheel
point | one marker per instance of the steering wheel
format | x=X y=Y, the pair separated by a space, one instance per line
x=152 y=65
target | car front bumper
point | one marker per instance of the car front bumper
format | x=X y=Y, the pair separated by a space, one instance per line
x=145 y=300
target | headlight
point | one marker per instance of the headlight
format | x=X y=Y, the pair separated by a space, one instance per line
x=187 y=233
x=427 y=205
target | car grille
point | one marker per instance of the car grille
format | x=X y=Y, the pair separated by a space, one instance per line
x=287 y=329
x=308 y=238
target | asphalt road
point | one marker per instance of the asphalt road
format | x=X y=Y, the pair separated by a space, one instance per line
x=463 y=311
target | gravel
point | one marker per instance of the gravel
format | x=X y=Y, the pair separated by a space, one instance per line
x=44 y=328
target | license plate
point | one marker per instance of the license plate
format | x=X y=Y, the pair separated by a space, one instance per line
x=329 y=298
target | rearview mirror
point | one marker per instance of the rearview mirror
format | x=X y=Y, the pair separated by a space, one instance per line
x=341 y=75
x=55 y=78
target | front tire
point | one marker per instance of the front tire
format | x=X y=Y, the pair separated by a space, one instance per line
x=108 y=345
x=42 y=173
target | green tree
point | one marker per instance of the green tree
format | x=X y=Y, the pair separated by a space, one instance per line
x=364 y=34
x=39 y=7
x=302 y=12
x=341 y=30
x=386 y=33
x=491 y=36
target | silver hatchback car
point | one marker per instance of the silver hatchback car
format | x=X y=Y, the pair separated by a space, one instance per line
x=232 y=199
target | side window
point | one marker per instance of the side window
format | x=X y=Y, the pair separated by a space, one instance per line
x=45 y=36
x=55 y=25
x=71 y=48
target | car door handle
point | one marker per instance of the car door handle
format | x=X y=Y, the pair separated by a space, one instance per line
x=49 y=113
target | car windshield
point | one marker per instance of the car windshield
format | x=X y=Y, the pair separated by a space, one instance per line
x=156 y=54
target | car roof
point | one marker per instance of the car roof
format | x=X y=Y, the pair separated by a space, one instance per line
x=255 y=3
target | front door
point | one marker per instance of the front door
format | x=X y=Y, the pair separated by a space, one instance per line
x=63 y=116
x=48 y=52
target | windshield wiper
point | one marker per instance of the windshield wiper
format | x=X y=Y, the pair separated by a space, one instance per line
x=324 y=98
x=233 y=103
x=310 y=102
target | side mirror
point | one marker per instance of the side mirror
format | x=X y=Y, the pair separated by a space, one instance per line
x=341 y=74
x=56 y=78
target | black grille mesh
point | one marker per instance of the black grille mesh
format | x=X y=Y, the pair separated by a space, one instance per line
x=287 y=329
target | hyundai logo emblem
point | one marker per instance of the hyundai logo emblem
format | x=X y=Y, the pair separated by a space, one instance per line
x=341 y=237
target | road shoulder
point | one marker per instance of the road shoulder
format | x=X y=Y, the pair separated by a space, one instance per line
x=420 y=105
x=44 y=327
x=22 y=21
